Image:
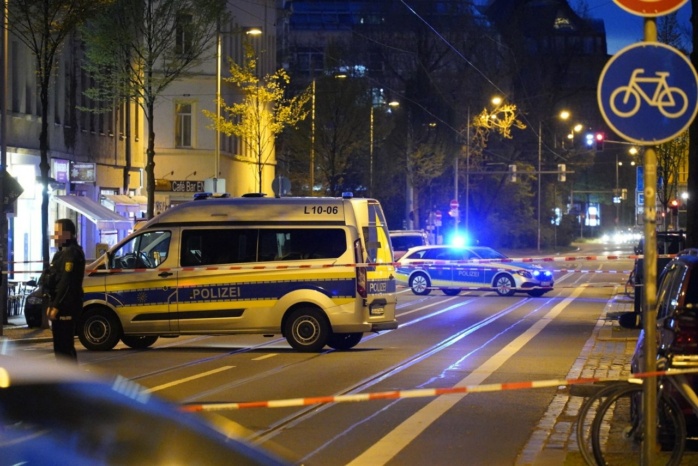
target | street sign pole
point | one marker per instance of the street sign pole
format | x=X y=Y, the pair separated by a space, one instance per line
x=649 y=118
x=649 y=387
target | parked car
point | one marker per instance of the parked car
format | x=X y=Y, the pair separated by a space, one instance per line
x=449 y=269
x=402 y=240
x=33 y=305
x=668 y=242
x=53 y=413
x=677 y=323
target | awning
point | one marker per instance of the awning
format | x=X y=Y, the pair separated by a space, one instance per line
x=104 y=218
x=125 y=203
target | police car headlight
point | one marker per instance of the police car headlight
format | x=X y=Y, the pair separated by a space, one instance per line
x=34 y=300
x=525 y=273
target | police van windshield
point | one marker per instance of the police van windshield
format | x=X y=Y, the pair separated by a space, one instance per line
x=145 y=251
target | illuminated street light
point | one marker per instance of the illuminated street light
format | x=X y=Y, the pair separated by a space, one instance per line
x=391 y=104
x=252 y=31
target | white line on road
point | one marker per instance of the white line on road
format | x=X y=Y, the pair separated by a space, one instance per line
x=266 y=356
x=386 y=448
x=188 y=379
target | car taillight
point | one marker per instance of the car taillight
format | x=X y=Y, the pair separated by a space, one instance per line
x=361 y=280
x=685 y=342
x=361 y=283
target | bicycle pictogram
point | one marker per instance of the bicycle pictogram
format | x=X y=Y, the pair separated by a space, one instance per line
x=671 y=102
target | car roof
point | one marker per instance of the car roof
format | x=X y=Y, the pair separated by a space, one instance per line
x=17 y=371
x=688 y=255
x=407 y=232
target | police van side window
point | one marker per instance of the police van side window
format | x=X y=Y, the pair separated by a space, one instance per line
x=301 y=244
x=145 y=251
x=217 y=246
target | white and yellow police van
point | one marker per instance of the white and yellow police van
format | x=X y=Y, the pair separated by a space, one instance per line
x=316 y=270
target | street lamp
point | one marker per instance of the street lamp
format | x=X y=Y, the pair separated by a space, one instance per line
x=252 y=31
x=391 y=104
x=564 y=115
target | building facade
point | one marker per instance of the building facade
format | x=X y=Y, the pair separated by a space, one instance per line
x=97 y=157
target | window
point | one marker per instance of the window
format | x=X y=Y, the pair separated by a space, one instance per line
x=217 y=246
x=145 y=251
x=201 y=247
x=183 y=113
x=669 y=289
x=183 y=39
x=301 y=244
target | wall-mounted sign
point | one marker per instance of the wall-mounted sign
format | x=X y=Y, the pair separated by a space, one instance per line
x=60 y=169
x=82 y=172
x=179 y=186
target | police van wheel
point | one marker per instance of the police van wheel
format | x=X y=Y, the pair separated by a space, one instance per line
x=420 y=284
x=307 y=330
x=344 y=341
x=100 y=330
x=138 y=342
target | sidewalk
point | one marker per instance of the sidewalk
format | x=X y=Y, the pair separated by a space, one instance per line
x=17 y=331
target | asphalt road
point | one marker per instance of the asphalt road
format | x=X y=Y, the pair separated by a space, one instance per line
x=468 y=340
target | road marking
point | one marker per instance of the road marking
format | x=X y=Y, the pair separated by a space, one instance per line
x=266 y=356
x=188 y=379
x=389 y=446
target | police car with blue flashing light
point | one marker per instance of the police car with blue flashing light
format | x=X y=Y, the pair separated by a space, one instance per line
x=317 y=270
x=453 y=269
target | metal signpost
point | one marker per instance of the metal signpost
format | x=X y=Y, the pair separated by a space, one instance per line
x=647 y=94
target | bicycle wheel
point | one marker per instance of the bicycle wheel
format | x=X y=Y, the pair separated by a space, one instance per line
x=616 y=433
x=585 y=418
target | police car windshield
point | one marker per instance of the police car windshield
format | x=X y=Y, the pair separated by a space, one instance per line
x=488 y=253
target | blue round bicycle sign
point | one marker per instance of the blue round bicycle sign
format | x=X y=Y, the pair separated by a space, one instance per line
x=648 y=93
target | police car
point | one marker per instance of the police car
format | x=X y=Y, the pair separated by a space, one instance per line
x=453 y=269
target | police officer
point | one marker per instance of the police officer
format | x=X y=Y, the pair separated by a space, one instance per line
x=64 y=288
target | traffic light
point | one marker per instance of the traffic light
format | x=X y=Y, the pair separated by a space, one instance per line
x=561 y=172
x=599 y=137
x=674 y=206
x=512 y=173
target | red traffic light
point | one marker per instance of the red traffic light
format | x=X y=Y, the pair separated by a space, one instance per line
x=599 y=137
x=674 y=203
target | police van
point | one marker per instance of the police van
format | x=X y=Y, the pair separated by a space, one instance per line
x=316 y=270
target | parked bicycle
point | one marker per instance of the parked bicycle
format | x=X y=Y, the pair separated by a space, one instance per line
x=615 y=434
x=595 y=395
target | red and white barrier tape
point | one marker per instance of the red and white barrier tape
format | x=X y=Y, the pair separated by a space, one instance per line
x=420 y=393
x=324 y=266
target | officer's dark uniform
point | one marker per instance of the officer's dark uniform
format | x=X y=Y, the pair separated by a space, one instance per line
x=65 y=293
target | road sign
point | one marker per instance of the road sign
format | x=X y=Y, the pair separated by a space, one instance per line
x=454 y=204
x=437 y=215
x=648 y=93
x=650 y=7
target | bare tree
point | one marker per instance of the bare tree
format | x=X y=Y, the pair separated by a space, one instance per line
x=44 y=26
x=136 y=48
x=670 y=159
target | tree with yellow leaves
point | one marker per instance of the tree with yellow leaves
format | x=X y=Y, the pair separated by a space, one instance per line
x=263 y=112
